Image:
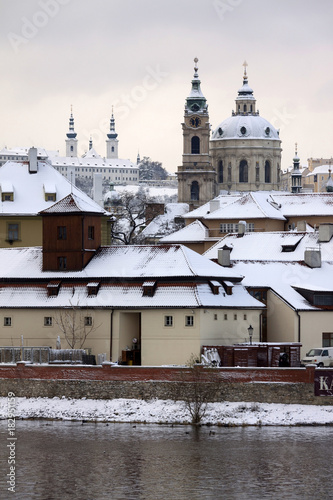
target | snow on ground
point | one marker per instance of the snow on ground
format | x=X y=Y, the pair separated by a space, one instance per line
x=167 y=412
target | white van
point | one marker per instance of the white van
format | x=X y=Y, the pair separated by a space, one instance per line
x=320 y=356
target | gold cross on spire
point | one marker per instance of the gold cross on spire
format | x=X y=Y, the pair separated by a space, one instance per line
x=245 y=66
x=295 y=147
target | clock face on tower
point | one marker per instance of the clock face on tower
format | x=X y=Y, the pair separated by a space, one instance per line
x=195 y=121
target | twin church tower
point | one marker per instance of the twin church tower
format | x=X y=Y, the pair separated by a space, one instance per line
x=242 y=154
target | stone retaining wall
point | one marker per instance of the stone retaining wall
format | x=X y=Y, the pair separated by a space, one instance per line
x=262 y=385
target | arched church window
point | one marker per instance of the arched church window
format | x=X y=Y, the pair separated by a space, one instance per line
x=251 y=108
x=243 y=171
x=245 y=108
x=194 y=191
x=112 y=149
x=220 y=172
x=267 y=171
x=72 y=148
x=195 y=145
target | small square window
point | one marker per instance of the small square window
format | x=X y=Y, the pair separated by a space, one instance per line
x=189 y=320
x=225 y=316
x=7 y=321
x=245 y=316
x=168 y=320
x=88 y=321
x=215 y=317
x=47 y=320
x=235 y=316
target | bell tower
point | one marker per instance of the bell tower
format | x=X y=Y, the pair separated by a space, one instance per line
x=71 y=141
x=112 y=141
x=196 y=176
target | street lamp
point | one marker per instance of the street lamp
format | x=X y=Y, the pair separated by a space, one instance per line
x=250 y=330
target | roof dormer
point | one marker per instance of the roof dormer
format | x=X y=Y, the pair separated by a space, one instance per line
x=7 y=191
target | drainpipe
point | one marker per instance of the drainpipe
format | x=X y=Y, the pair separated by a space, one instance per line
x=260 y=327
x=299 y=327
x=111 y=334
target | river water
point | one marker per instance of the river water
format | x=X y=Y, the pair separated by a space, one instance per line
x=70 y=460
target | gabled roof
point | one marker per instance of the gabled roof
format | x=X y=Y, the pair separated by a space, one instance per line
x=29 y=189
x=74 y=204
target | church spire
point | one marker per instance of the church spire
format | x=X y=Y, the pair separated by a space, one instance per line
x=245 y=101
x=296 y=174
x=71 y=140
x=112 y=141
x=112 y=134
x=196 y=101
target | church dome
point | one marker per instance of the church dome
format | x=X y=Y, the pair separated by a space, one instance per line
x=245 y=127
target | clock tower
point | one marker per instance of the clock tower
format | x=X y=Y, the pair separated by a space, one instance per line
x=196 y=176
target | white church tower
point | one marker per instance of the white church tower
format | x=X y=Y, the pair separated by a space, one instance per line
x=71 y=141
x=112 y=141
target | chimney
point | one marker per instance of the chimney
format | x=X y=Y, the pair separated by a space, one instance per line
x=32 y=157
x=301 y=226
x=214 y=205
x=312 y=257
x=325 y=232
x=241 y=228
x=223 y=256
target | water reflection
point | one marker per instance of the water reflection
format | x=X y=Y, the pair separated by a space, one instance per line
x=122 y=461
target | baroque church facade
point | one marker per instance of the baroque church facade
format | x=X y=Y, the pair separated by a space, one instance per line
x=242 y=154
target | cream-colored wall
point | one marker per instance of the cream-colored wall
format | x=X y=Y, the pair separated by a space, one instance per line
x=30 y=231
x=162 y=345
x=30 y=324
x=313 y=325
x=228 y=331
x=282 y=323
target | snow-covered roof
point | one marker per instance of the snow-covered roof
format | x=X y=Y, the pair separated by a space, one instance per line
x=118 y=262
x=266 y=204
x=92 y=153
x=91 y=161
x=74 y=204
x=283 y=276
x=19 y=151
x=322 y=169
x=245 y=127
x=165 y=224
x=253 y=205
x=271 y=246
x=194 y=232
x=30 y=189
x=124 y=295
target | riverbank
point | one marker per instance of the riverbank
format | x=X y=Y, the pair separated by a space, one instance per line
x=165 y=412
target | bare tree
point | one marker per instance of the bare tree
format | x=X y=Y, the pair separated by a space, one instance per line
x=131 y=217
x=76 y=324
x=198 y=386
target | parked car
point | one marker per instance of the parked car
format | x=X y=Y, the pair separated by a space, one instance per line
x=319 y=356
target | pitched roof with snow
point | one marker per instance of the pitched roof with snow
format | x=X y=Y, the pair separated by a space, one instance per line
x=193 y=233
x=29 y=189
x=74 y=204
x=265 y=204
x=271 y=246
x=118 y=262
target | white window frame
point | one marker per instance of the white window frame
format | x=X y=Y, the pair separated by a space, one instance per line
x=7 y=321
x=168 y=321
x=189 y=321
x=48 y=321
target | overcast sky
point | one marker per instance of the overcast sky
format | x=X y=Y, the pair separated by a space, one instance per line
x=137 y=55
